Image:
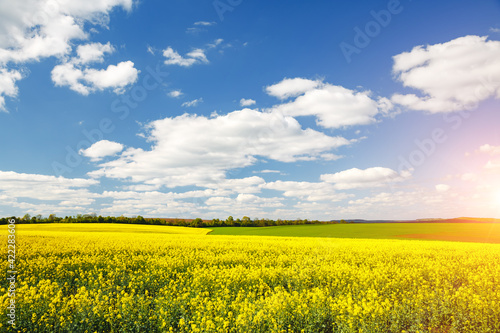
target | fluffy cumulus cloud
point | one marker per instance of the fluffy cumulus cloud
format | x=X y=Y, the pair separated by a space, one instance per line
x=35 y=29
x=8 y=86
x=76 y=74
x=197 y=56
x=93 y=52
x=357 y=178
x=46 y=194
x=211 y=146
x=492 y=151
x=292 y=87
x=451 y=76
x=175 y=93
x=489 y=149
x=115 y=77
x=101 y=149
x=247 y=102
x=333 y=106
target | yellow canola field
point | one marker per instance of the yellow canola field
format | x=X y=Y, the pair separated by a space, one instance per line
x=72 y=281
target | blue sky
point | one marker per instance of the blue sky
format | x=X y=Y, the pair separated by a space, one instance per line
x=318 y=110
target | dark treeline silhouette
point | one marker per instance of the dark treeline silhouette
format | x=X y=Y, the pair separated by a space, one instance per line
x=194 y=223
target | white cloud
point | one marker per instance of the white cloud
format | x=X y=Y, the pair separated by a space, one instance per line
x=32 y=30
x=426 y=203
x=266 y=171
x=8 y=85
x=216 y=43
x=333 y=106
x=93 y=52
x=70 y=194
x=151 y=50
x=214 y=146
x=85 y=81
x=210 y=201
x=405 y=200
x=357 y=178
x=292 y=87
x=247 y=102
x=451 y=76
x=199 y=27
x=492 y=165
x=175 y=93
x=149 y=203
x=497 y=30
x=69 y=75
x=205 y=23
x=243 y=204
x=442 y=188
x=192 y=103
x=197 y=56
x=330 y=157
x=238 y=185
x=309 y=191
x=489 y=149
x=101 y=149
x=115 y=77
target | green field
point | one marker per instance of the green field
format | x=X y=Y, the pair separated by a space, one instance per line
x=464 y=232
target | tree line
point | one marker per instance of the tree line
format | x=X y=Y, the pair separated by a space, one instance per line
x=245 y=221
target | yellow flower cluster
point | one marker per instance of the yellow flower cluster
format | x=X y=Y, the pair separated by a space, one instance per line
x=158 y=282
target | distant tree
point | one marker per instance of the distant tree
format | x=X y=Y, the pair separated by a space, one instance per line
x=261 y=223
x=245 y=221
x=196 y=223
